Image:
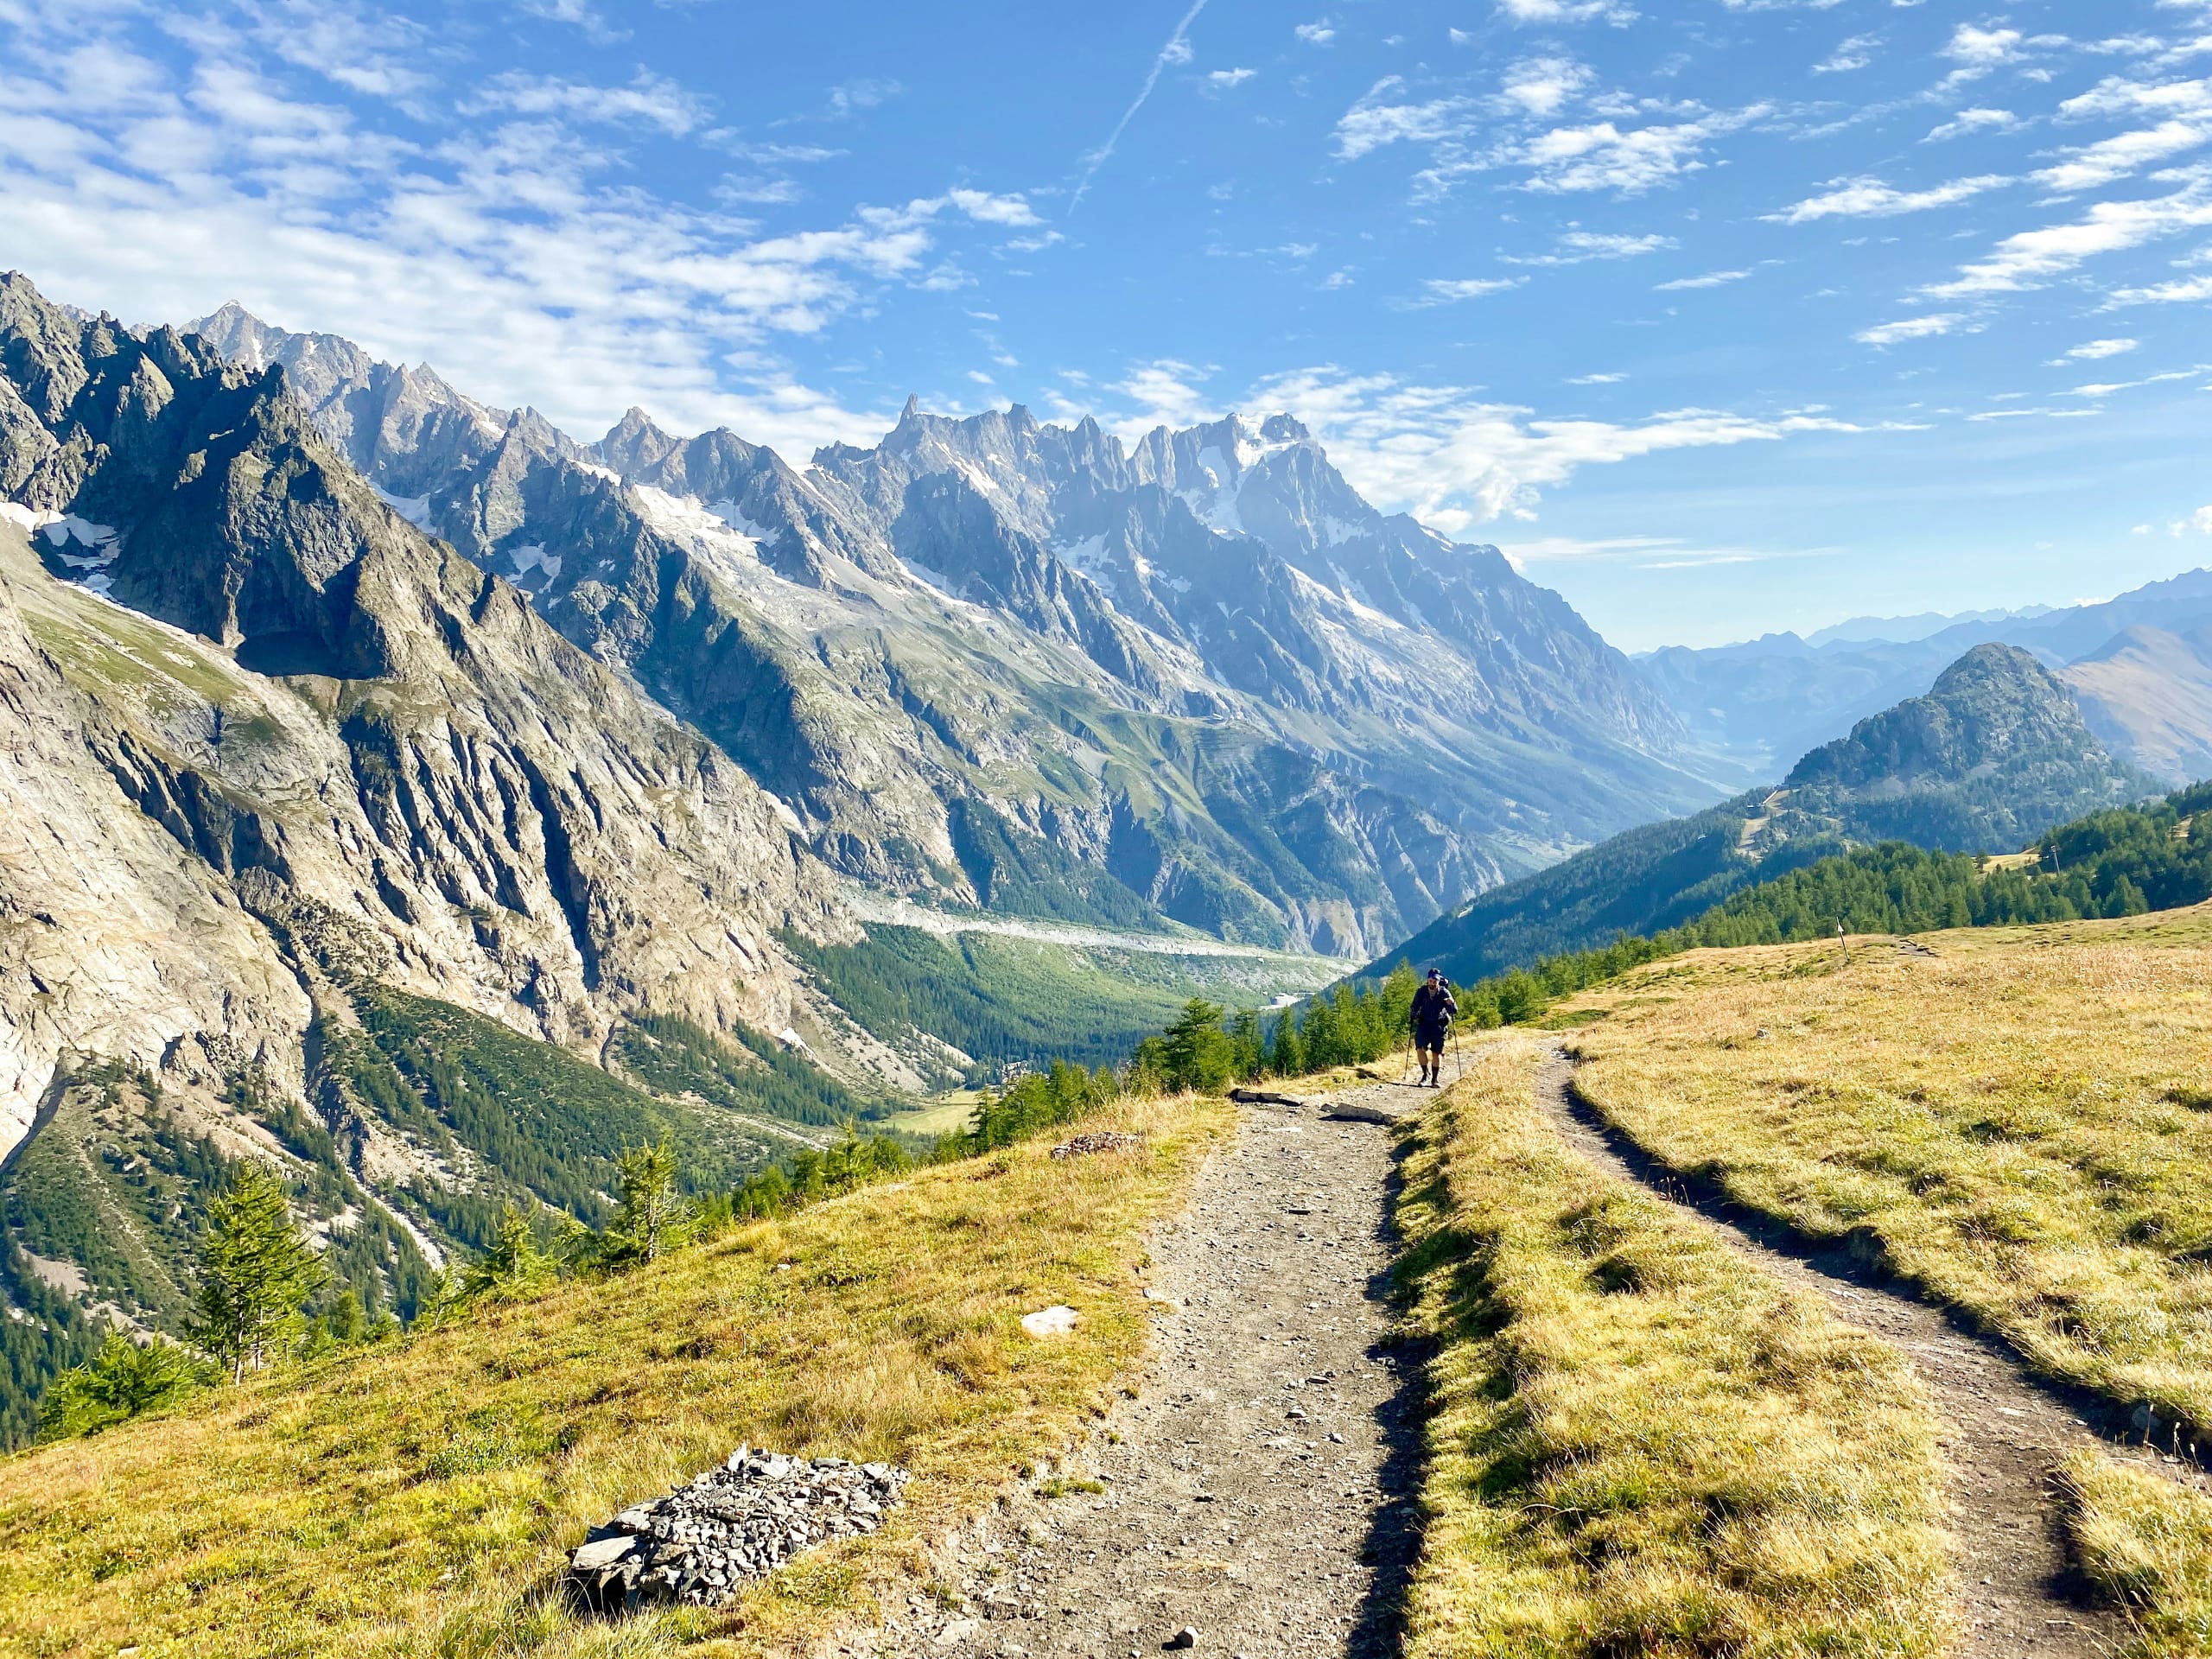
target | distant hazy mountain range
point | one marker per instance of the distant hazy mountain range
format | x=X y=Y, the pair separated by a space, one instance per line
x=1995 y=754
x=2140 y=664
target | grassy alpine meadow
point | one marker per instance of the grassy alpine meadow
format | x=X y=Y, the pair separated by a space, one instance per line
x=1640 y=1442
x=2147 y=1541
x=2022 y=1120
x=418 y=1498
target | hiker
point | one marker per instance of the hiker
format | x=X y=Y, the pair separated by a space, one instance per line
x=1434 y=1011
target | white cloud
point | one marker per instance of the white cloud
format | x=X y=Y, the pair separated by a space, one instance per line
x=649 y=100
x=1374 y=122
x=1889 y=334
x=1164 y=392
x=1593 y=157
x=1711 y=279
x=1579 y=247
x=849 y=99
x=1597 y=380
x=2020 y=261
x=1229 y=77
x=1872 y=199
x=376 y=54
x=1854 y=53
x=518 y=255
x=1978 y=51
x=1601 y=156
x=1319 y=33
x=1541 y=86
x=986 y=209
x=2181 y=290
x=2116 y=95
x=1617 y=12
x=2115 y=157
x=1447 y=290
x=1974 y=120
x=1456 y=461
x=2089 y=351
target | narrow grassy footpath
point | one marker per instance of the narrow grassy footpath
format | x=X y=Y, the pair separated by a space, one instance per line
x=418 y=1499
x=1642 y=1444
x=2017 y=1122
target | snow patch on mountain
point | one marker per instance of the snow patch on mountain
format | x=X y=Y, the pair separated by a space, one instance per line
x=415 y=509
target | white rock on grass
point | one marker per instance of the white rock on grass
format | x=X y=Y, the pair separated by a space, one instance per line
x=1054 y=1321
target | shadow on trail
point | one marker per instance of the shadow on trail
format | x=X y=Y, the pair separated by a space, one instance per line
x=1393 y=1542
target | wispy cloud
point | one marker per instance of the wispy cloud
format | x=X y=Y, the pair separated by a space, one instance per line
x=1458 y=459
x=1450 y=290
x=1711 y=279
x=2022 y=261
x=1872 y=199
x=1972 y=121
x=1579 y=247
x=2090 y=351
x=1177 y=50
x=648 y=100
x=1889 y=334
x=1854 y=53
x=1617 y=12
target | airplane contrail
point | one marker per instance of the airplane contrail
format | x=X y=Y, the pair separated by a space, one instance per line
x=1178 y=50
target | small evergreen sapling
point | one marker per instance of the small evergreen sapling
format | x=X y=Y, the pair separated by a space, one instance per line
x=255 y=1271
x=123 y=1380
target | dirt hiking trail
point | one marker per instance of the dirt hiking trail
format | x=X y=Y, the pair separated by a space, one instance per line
x=1258 y=1492
x=1258 y=1489
x=2002 y=1433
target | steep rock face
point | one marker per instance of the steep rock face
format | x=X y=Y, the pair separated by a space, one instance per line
x=115 y=937
x=350 y=721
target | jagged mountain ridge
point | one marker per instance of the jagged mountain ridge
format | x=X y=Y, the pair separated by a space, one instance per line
x=367 y=757
x=1995 y=754
x=991 y=633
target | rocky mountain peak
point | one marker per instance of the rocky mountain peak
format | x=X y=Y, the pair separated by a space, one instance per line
x=1994 y=706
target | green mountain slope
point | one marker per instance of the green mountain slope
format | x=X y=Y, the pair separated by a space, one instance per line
x=1995 y=754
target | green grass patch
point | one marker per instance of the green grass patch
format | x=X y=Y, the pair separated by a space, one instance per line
x=1640 y=1444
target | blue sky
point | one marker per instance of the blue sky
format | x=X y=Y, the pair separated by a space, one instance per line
x=1719 y=315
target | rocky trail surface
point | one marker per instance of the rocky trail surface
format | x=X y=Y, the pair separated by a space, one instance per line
x=1258 y=1491
x=2003 y=1431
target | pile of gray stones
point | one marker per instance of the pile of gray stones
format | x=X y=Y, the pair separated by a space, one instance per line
x=703 y=1541
x=1097 y=1140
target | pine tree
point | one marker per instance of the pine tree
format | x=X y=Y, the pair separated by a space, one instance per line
x=255 y=1271
x=653 y=1217
x=513 y=1265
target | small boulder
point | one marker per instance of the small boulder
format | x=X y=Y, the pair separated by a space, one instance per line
x=1057 y=1320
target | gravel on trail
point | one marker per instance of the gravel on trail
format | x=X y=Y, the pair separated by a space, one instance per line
x=1257 y=1495
x=2003 y=1431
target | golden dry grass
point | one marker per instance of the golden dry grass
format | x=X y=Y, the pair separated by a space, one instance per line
x=1642 y=1444
x=2024 y=1122
x=2148 y=1543
x=418 y=1500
